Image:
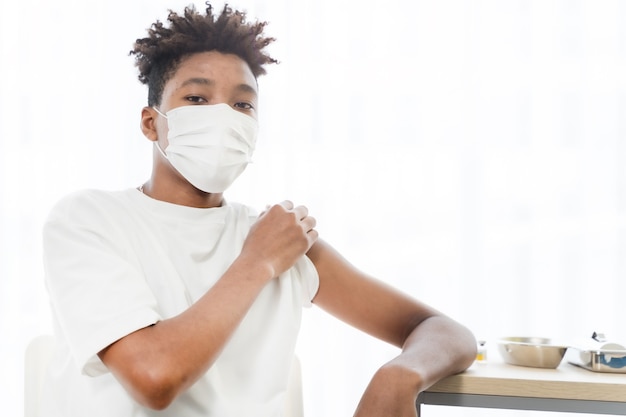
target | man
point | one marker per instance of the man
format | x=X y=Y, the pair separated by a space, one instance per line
x=169 y=300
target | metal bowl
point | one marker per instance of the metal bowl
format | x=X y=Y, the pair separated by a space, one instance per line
x=536 y=352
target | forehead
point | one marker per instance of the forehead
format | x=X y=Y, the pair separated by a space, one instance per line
x=222 y=70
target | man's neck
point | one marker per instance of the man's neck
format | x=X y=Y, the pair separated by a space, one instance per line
x=182 y=194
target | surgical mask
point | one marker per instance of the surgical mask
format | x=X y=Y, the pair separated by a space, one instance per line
x=210 y=145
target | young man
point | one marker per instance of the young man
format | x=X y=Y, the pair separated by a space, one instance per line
x=168 y=300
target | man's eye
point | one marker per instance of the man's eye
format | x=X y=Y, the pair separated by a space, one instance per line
x=245 y=106
x=195 y=99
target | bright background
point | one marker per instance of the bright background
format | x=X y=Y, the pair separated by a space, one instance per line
x=471 y=153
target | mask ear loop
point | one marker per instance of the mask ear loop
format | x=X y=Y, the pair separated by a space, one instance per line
x=160 y=150
x=156 y=143
x=158 y=111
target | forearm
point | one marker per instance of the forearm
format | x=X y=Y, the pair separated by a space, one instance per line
x=157 y=363
x=436 y=348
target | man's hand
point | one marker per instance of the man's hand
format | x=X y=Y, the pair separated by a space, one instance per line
x=281 y=235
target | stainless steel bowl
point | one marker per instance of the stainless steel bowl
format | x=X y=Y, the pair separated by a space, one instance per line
x=537 y=352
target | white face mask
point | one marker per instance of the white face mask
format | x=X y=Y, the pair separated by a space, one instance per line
x=210 y=145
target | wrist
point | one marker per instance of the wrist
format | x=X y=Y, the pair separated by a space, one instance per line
x=392 y=391
x=255 y=269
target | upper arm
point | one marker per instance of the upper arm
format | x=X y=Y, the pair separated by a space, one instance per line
x=363 y=301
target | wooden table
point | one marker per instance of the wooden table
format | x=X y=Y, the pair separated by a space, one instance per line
x=495 y=384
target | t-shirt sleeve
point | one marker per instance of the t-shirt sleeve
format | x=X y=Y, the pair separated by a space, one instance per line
x=309 y=279
x=97 y=295
x=303 y=269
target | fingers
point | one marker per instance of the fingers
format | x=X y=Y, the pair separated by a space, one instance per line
x=308 y=227
x=301 y=213
x=282 y=234
x=308 y=223
x=312 y=236
x=287 y=204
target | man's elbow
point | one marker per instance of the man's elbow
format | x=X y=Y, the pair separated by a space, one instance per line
x=457 y=340
x=467 y=348
x=154 y=389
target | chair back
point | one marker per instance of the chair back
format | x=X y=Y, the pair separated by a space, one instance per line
x=37 y=358
x=294 y=406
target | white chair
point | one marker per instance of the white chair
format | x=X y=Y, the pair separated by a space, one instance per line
x=39 y=353
x=294 y=406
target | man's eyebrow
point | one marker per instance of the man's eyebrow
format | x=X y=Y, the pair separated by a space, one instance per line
x=198 y=80
x=243 y=87
x=247 y=88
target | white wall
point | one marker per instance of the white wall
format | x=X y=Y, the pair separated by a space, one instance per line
x=471 y=153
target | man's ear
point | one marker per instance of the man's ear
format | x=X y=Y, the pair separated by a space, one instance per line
x=148 y=123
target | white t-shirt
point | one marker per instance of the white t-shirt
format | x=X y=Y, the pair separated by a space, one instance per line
x=117 y=262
